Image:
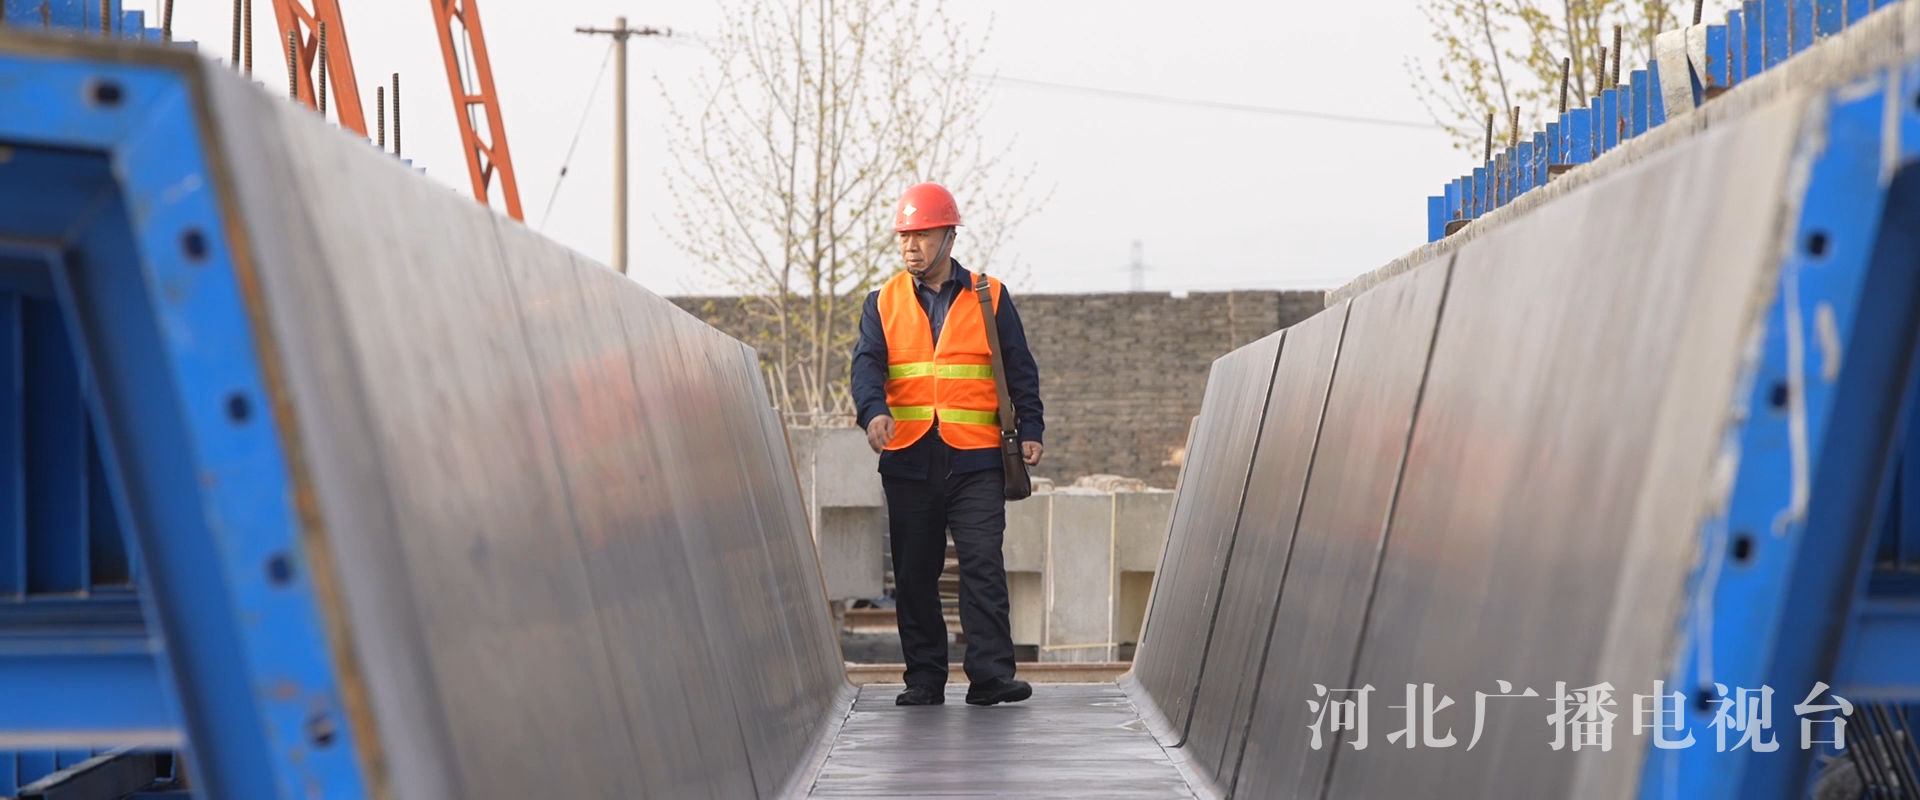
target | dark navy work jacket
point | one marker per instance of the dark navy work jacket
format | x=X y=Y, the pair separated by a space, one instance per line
x=870 y=376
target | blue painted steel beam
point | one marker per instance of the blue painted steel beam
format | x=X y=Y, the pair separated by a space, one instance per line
x=1525 y=171
x=1776 y=32
x=180 y=384
x=1779 y=572
x=1611 y=116
x=1579 y=136
x=13 y=473
x=1639 y=110
x=36 y=764
x=1634 y=104
x=1499 y=177
x=56 y=458
x=84 y=698
x=1754 y=48
x=1717 y=74
x=1829 y=18
x=1800 y=26
x=1542 y=154
x=1436 y=218
x=1882 y=649
x=1479 y=205
x=1736 y=47
x=1907 y=524
x=1857 y=10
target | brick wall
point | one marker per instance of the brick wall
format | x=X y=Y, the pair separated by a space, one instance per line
x=1122 y=374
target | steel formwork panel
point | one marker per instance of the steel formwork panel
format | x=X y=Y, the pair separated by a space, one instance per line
x=1173 y=645
x=1263 y=535
x=442 y=373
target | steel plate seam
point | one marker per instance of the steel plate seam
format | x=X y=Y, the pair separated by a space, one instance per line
x=1129 y=681
x=1166 y=667
x=1233 y=536
x=1280 y=588
x=1264 y=537
x=1166 y=545
x=1386 y=528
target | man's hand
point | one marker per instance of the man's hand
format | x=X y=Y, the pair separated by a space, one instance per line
x=879 y=432
x=1030 y=453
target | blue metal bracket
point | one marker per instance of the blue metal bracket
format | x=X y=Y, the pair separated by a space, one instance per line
x=185 y=412
x=1836 y=373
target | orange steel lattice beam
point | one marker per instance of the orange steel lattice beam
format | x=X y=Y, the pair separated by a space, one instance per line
x=487 y=156
x=296 y=17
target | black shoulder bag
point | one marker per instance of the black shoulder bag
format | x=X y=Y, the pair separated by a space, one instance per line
x=1013 y=463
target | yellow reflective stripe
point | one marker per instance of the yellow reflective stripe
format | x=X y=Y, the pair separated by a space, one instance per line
x=962 y=417
x=917 y=369
x=913 y=413
x=980 y=371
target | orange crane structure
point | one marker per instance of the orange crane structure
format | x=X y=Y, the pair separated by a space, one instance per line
x=326 y=64
x=320 y=30
x=487 y=155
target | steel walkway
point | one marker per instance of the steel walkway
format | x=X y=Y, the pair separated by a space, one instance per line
x=1070 y=740
x=339 y=485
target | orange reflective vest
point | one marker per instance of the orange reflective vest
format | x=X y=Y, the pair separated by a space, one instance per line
x=951 y=380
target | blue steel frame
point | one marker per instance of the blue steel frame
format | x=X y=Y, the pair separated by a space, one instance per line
x=1756 y=36
x=1786 y=562
x=82 y=16
x=156 y=286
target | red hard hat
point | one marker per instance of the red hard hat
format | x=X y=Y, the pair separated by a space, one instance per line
x=926 y=205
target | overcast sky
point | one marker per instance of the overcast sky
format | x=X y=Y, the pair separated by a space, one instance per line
x=1219 y=199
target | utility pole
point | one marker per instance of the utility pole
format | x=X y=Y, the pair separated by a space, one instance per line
x=620 y=32
x=1138 y=269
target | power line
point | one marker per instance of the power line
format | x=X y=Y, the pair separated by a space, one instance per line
x=584 y=113
x=1122 y=94
x=1277 y=111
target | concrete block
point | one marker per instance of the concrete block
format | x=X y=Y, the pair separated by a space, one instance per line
x=840 y=461
x=1130 y=606
x=1025 y=544
x=851 y=558
x=1080 y=578
x=1026 y=593
x=1140 y=528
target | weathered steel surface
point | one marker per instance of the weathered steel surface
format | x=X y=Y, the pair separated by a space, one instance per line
x=1069 y=741
x=1200 y=538
x=567 y=551
x=1262 y=541
x=1526 y=544
x=1343 y=524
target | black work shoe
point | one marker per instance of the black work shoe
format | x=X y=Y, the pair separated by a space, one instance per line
x=918 y=695
x=998 y=690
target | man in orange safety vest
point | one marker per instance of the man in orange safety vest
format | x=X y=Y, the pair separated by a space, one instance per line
x=923 y=384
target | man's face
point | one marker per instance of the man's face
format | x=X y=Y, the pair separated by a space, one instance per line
x=919 y=248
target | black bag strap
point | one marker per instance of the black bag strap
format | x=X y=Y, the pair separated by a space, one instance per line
x=983 y=289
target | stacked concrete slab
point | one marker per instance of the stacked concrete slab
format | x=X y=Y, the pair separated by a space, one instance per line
x=1080 y=563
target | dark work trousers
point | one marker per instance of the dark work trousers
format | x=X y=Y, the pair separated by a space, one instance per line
x=919 y=515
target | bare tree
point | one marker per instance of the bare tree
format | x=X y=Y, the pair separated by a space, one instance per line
x=816 y=116
x=1497 y=54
